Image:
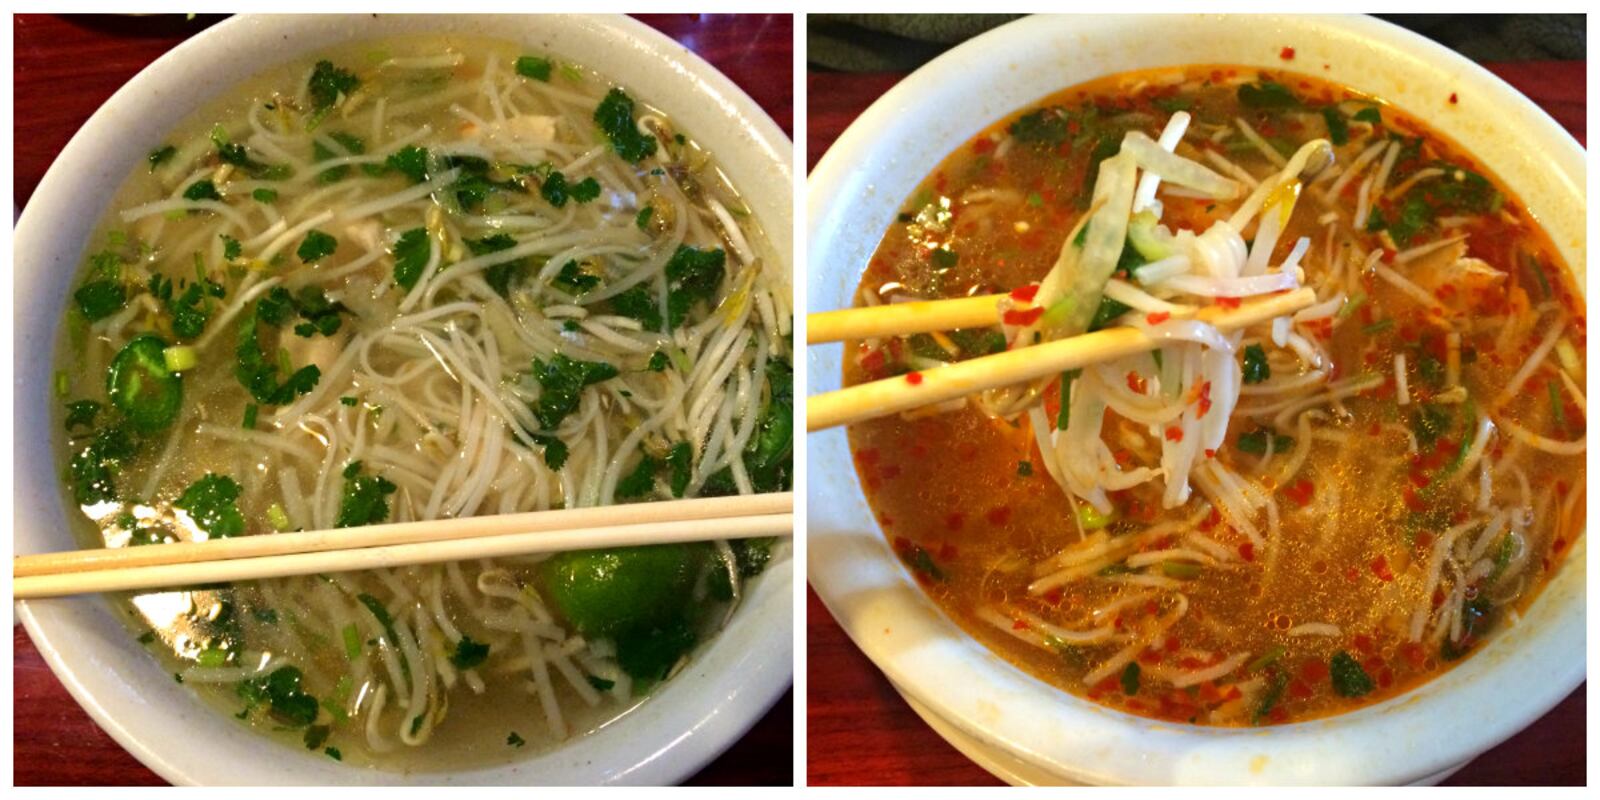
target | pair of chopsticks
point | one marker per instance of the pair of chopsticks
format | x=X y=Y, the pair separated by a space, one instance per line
x=400 y=544
x=892 y=395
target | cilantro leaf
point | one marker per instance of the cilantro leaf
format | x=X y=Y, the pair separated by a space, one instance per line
x=327 y=83
x=100 y=299
x=213 y=503
x=468 y=653
x=574 y=281
x=201 y=190
x=411 y=253
x=534 y=67
x=562 y=381
x=365 y=499
x=1267 y=95
x=639 y=302
x=410 y=161
x=614 y=115
x=161 y=155
x=1256 y=368
x=640 y=482
x=316 y=245
x=692 y=275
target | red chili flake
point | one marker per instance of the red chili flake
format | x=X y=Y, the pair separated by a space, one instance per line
x=1287 y=54
x=1211 y=520
x=1205 y=397
x=1385 y=677
x=1380 y=568
x=1157 y=317
x=914 y=378
x=983 y=145
x=1413 y=502
x=998 y=515
x=872 y=363
x=1150 y=657
x=1019 y=625
x=1022 y=318
x=1135 y=382
x=1452 y=98
x=1414 y=653
x=868 y=456
x=886 y=520
x=1228 y=302
x=947 y=551
x=1174 y=433
x=1053 y=597
x=1210 y=453
x=1300 y=491
x=1363 y=643
x=1438 y=598
x=889 y=471
x=1313 y=671
x=955 y=521
x=1300 y=690
x=1247 y=551
x=1025 y=294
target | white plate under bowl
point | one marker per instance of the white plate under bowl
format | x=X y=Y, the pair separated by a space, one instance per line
x=729 y=684
x=1021 y=727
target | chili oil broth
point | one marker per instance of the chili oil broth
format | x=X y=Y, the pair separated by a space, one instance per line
x=966 y=497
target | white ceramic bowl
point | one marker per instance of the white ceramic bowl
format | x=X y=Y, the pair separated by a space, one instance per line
x=1014 y=724
x=729 y=684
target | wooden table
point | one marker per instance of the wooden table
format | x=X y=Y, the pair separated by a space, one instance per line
x=859 y=731
x=65 y=68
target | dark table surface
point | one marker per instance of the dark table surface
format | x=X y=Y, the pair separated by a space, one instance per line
x=858 y=729
x=54 y=741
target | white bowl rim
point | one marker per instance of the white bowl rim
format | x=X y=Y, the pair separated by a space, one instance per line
x=689 y=721
x=927 y=655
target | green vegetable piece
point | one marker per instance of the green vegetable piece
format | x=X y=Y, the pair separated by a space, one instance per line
x=469 y=654
x=93 y=468
x=1255 y=442
x=201 y=190
x=614 y=591
x=411 y=253
x=1349 y=679
x=678 y=461
x=614 y=115
x=692 y=276
x=142 y=388
x=648 y=656
x=513 y=739
x=1130 y=679
x=265 y=195
x=1338 y=128
x=254 y=371
x=555 y=451
x=410 y=161
x=562 y=381
x=213 y=503
x=640 y=482
x=82 y=413
x=1270 y=697
x=534 y=67
x=1256 y=368
x=328 y=83
x=574 y=281
x=100 y=299
x=1267 y=95
x=643 y=217
x=1369 y=114
x=658 y=361
x=316 y=245
x=639 y=302
x=161 y=155
x=365 y=500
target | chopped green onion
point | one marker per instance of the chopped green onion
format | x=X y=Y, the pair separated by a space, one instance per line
x=63 y=384
x=1556 y=411
x=250 y=415
x=352 y=642
x=1267 y=658
x=277 y=518
x=1130 y=678
x=1092 y=519
x=212 y=657
x=1378 y=327
x=180 y=357
x=1351 y=305
x=1180 y=569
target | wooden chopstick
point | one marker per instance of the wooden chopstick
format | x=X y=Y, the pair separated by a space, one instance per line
x=901 y=319
x=893 y=395
x=399 y=544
